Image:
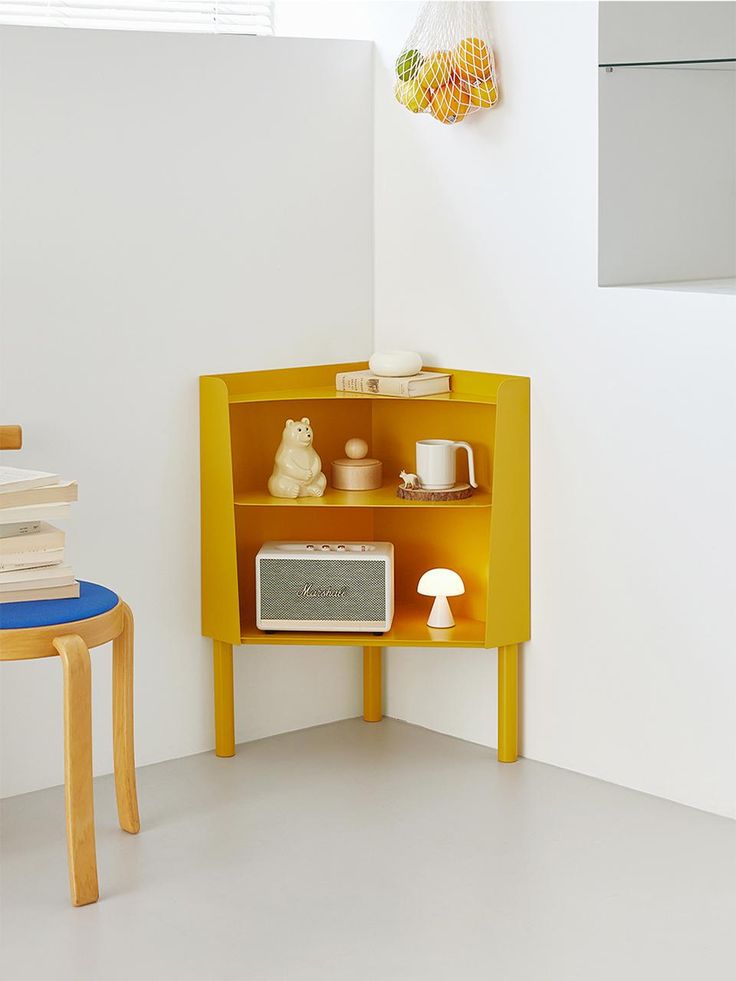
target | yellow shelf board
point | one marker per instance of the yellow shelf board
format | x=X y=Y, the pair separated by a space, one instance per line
x=382 y=497
x=408 y=630
x=329 y=392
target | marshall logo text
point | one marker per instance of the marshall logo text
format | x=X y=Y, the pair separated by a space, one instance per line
x=310 y=590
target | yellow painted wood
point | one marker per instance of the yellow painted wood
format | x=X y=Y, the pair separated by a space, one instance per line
x=381 y=497
x=485 y=538
x=224 y=704
x=427 y=539
x=327 y=392
x=122 y=726
x=409 y=629
x=508 y=607
x=372 y=699
x=318 y=382
x=248 y=384
x=508 y=703
x=398 y=423
x=220 y=607
x=80 y=811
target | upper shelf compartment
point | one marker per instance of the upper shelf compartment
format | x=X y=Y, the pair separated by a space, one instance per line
x=693 y=64
x=318 y=383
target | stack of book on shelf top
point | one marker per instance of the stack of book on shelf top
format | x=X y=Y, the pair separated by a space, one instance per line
x=32 y=563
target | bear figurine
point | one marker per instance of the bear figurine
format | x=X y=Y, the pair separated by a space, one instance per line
x=297 y=468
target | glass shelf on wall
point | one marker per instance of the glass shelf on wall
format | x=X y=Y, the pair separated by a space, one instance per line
x=727 y=285
x=694 y=64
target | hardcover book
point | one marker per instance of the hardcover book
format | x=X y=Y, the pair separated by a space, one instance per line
x=413 y=386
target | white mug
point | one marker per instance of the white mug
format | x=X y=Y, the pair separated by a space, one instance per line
x=436 y=463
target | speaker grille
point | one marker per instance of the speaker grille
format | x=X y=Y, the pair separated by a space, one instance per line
x=283 y=582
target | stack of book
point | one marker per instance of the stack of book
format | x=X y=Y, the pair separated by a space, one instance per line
x=32 y=563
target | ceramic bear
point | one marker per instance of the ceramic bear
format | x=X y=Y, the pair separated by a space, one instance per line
x=297 y=469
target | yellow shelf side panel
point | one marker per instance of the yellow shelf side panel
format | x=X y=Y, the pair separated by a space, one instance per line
x=220 y=605
x=508 y=619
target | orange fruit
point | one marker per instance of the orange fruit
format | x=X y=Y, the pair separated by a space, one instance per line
x=472 y=60
x=483 y=95
x=436 y=70
x=450 y=103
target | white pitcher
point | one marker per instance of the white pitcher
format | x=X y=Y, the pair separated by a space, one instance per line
x=436 y=463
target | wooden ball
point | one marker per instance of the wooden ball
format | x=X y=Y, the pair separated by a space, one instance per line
x=356 y=448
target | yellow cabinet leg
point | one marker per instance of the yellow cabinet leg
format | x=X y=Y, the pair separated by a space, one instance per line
x=508 y=703
x=224 y=706
x=372 y=709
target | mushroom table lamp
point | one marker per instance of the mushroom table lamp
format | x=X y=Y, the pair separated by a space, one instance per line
x=441 y=583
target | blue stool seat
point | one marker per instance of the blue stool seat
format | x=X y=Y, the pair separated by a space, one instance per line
x=91 y=602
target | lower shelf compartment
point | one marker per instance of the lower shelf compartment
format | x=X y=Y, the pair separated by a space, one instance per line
x=407 y=630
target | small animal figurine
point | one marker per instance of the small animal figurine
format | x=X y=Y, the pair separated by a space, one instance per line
x=297 y=468
x=410 y=480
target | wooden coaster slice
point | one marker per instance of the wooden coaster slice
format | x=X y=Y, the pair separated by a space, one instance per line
x=457 y=493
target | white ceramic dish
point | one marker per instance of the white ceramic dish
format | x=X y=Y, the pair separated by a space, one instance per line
x=395 y=364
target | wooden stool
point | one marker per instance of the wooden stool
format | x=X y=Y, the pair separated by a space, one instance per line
x=69 y=627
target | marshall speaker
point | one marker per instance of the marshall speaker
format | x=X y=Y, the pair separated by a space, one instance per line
x=325 y=586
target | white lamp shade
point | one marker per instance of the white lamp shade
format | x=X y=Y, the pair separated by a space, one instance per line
x=441 y=582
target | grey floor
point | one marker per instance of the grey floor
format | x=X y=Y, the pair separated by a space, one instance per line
x=357 y=851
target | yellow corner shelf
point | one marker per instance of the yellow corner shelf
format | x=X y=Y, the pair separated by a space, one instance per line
x=485 y=538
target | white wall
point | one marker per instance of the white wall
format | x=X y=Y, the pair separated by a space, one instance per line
x=486 y=258
x=172 y=205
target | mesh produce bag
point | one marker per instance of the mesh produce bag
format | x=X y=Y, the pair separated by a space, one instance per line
x=446 y=66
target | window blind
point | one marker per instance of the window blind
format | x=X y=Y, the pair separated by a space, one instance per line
x=196 y=16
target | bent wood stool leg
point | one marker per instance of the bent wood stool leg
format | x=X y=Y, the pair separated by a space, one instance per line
x=80 y=814
x=122 y=726
x=372 y=708
x=224 y=704
x=508 y=699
